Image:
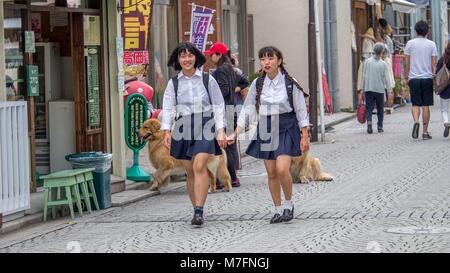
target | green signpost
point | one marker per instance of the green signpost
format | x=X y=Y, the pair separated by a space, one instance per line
x=136 y=113
x=33 y=80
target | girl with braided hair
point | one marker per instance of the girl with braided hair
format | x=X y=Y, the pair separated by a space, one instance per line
x=282 y=131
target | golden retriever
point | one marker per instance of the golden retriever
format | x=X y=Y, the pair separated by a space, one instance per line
x=164 y=163
x=306 y=168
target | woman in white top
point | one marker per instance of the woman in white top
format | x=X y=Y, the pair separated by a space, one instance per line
x=194 y=101
x=280 y=102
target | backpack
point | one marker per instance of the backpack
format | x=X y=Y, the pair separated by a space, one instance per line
x=205 y=83
x=441 y=80
x=289 y=89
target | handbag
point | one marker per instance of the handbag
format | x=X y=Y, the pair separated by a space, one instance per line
x=361 y=111
x=442 y=80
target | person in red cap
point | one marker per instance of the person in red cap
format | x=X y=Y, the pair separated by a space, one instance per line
x=226 y=77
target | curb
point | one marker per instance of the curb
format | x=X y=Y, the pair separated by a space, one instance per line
x=334 y=123
x=38 y=218
x=26 y=221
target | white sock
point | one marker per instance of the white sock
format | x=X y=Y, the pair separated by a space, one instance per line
x=279 y=210
x=288 y=204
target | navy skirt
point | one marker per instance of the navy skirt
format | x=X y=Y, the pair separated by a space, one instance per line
x=274 y=140
x=194 y=134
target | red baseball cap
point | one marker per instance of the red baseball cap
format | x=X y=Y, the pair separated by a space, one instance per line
x=217 y=48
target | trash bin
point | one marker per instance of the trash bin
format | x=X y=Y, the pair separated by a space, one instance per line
x=102 y=174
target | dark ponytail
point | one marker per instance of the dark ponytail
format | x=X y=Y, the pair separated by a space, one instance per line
x=226 y=59
x=447 y=56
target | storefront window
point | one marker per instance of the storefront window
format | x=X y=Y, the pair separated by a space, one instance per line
x=13 y=55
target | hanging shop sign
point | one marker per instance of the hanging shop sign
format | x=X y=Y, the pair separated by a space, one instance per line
x=136 y=25
x=200 y=24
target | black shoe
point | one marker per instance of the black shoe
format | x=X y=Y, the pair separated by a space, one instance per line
x=426 y=136
x=276 y=219
x=415 y=133
x=197 y=220
x=380 y=130
x=288 y=215
x=447 y=130
x=369 y=129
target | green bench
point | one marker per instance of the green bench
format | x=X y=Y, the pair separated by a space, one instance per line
x=68 y=184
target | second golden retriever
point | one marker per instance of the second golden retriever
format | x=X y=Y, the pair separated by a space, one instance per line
x=306 y=168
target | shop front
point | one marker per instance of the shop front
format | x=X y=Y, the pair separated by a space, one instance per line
x=400 y=15
x=54 y=60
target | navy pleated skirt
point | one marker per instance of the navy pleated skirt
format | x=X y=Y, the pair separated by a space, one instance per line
x=274 y=140
x=190 y=137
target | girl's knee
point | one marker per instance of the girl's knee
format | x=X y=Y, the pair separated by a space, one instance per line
x=199 y=168
x=272 y=175
x=283 y=172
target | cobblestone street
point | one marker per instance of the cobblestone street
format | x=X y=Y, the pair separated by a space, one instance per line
x=390 y=194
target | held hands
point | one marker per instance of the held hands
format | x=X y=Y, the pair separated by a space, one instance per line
x=231 y=139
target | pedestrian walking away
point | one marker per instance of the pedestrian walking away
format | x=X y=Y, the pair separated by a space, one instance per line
x=192 y=96
x=421 y=55
x=376 y=80
x=445 y=95
x=276 y=96
x=226 y=77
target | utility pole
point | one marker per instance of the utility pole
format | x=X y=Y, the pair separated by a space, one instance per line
x=312 y=71
x=319 y=71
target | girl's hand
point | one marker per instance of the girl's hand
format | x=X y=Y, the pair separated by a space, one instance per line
x=167 y=139
x=222 y=138
x=231 y=139
x=304 y=144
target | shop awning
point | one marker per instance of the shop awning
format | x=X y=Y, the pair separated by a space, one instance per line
x=403 y=6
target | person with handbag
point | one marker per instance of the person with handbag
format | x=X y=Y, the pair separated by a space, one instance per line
x=375 y=81
x=444 y=91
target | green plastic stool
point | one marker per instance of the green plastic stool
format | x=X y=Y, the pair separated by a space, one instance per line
x=68 y=182
x=86 y=183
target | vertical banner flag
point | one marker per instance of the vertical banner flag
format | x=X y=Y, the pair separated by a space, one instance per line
x=200 y=22
x=136 y=20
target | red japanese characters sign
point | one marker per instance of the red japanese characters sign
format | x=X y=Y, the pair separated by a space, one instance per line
x=136 y=20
